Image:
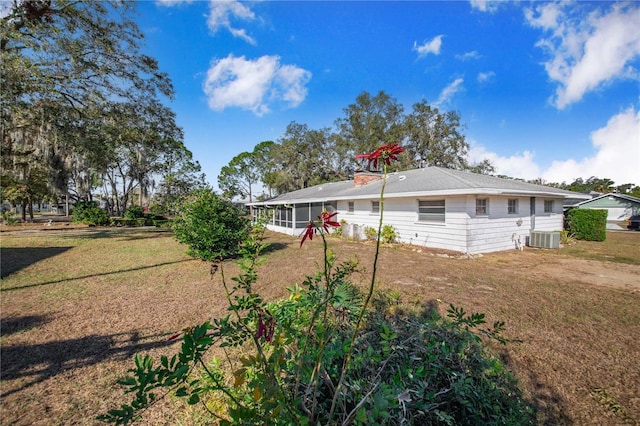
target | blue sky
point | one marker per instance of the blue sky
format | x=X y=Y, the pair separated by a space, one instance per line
x=546 y=90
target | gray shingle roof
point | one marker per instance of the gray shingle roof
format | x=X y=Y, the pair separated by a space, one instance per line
x=429 y=181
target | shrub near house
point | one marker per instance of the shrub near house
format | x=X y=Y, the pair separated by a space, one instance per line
x=589 y=225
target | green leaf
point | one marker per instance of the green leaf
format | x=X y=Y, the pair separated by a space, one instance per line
x=193 y=399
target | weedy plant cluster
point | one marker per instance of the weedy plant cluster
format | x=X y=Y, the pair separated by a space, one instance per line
x=330 y=353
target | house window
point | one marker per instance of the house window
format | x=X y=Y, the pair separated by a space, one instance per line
x=431 y=211
x=350 y=207
x=548 y=206
x=512 y=207
x=482 y=206
x=375 y=207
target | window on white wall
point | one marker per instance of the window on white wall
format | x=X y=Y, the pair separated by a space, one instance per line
x=375 y=207
x=512 y=206
x=431 y=211
x=482 y=206
x=350 y=207
x=548 y=206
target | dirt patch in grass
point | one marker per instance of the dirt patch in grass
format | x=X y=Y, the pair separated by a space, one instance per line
x=74 y=314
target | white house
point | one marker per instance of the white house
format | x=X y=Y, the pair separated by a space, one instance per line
x=431 y=207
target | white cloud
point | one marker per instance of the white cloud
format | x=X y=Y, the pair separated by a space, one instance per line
x=520 y=165
x=431 y=46
x=485 y=77
x=587 y=52
x=448 y=92
x=254 y=85
x=617 y=154
x=469 y=55
x=490 y=6
x=221 y=13
x=171 y=3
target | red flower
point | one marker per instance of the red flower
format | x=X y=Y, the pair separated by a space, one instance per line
x=326 y=217
x=385 y=153
x=266 y=325
x=325 y=221
x=308 y=233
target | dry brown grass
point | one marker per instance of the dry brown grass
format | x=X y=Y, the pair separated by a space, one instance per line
x=76 y=305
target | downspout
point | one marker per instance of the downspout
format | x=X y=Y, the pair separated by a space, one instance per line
x=532 y=210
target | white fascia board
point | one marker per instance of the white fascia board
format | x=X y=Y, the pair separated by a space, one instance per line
x=544 y=194
x=424 y=194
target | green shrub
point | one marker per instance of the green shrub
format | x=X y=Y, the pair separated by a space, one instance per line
x=89 y=213
x=8 y=218
x=408 y=366
x=370 y=233
x=134 y=212
x=388 y=234
x=212 y=227
x=586 y=224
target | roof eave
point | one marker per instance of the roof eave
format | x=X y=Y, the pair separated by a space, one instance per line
x=418 y=194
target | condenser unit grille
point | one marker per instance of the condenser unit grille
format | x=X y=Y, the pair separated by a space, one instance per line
x=544 y=239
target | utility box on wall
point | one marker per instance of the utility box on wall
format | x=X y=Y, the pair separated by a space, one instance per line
x=544 y=239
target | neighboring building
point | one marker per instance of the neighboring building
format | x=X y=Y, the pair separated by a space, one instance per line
x=431 y=207
x=619 y=206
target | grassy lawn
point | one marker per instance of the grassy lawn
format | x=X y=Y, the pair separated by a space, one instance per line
x=77 y=304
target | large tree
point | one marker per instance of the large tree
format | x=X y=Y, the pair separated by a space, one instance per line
x=239 y=177
x=434 y=138
x=305 y=157
x=368 y=123
x=63 y=62
x=140 y=137
x=265 y=164
x=180 y=176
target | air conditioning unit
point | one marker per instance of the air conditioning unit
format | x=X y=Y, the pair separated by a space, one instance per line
x=544 y=239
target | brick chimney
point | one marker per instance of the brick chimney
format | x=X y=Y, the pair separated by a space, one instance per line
x=363 y=178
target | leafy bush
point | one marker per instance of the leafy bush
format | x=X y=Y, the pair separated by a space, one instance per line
x=8 y=218
x=161 y=223
x=134 y=212
x=89 y=213
x=212 y=227
x=407 y=366
x=586 y=224
x=388 y=234
x=370 y=233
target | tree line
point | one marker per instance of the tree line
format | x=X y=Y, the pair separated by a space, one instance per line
x=81 y=110
x=304 y=157
x=598 y=185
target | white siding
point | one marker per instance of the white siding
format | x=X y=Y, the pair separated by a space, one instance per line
x=402 y=214
x=500 y=230
x=462 y=231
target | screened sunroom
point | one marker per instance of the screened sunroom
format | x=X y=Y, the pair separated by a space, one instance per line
x=290 y=219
